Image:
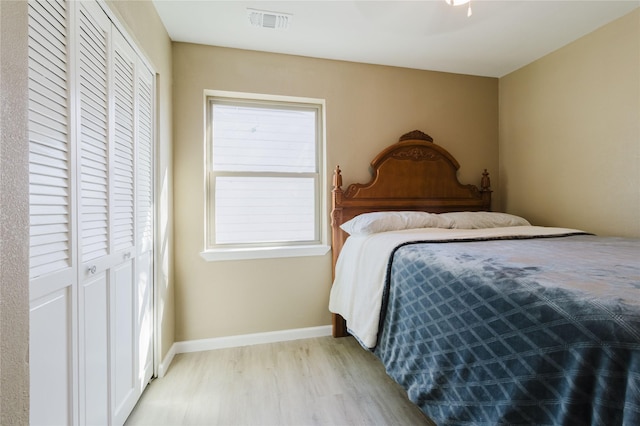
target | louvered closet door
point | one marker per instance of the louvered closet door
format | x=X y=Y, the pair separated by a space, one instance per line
x=53 y=278
x=112 y=292
x=123 y=288
x=94 y=35
x=145 y=222
x=91 y=212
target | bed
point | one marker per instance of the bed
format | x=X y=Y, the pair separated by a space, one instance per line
x=483 y=318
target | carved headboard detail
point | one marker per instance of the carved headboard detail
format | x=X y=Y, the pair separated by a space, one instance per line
x=416 y=135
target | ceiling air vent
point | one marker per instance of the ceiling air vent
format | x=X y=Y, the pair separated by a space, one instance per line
x=265 y=19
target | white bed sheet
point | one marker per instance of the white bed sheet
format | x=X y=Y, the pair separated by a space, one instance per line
x=361 y=269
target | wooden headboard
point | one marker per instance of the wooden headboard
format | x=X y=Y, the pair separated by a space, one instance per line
x=412 y=174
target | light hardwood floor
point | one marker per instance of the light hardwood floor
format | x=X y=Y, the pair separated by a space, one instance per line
x=321 y=381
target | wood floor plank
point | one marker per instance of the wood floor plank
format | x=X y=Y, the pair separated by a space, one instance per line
x=320 y=381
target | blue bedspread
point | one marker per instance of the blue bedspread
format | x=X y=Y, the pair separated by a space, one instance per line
x=528 y=331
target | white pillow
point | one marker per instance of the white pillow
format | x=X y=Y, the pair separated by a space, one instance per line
x=371 y=223
x=476 y=220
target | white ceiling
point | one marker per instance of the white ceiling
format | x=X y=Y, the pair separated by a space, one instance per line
x=499 y=37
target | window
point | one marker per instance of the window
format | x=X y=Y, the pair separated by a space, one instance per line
x=265 y=178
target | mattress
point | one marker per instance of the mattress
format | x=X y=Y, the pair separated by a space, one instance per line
x=362 y=267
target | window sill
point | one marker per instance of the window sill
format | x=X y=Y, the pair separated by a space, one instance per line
x=216 y=255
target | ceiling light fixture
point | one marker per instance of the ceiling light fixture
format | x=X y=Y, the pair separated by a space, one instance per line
x=460 y=3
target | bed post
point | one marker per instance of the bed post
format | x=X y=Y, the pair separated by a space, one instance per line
x=337 y=236
x=336 y=215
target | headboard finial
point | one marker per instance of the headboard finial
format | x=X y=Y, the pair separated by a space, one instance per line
x=485 y=183
x=337 y=178
x=416 y=134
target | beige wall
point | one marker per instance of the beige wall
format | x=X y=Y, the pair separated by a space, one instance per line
x=143 y=24
x=367 y=108
x=570 y=134
x=14 y=216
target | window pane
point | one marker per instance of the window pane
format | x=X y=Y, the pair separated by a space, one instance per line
x=258 y=210
x=263 y=139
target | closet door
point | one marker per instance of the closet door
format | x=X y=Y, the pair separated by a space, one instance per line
x=145 y=222
x=115 y=284
x=53 y=278
x=123 y=270
x=94 y=35
x=91 y=213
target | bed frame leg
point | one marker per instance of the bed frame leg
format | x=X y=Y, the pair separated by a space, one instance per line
x=339 y=326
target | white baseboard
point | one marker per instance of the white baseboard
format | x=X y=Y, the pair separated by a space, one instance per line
x=166 y=362
x=251 y=339
x=237 y=341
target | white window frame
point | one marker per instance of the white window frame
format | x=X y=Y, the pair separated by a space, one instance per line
x=223 y=252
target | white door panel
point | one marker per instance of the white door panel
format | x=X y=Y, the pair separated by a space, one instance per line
x=123 y=388
x=50 y=347
x=95 y=348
